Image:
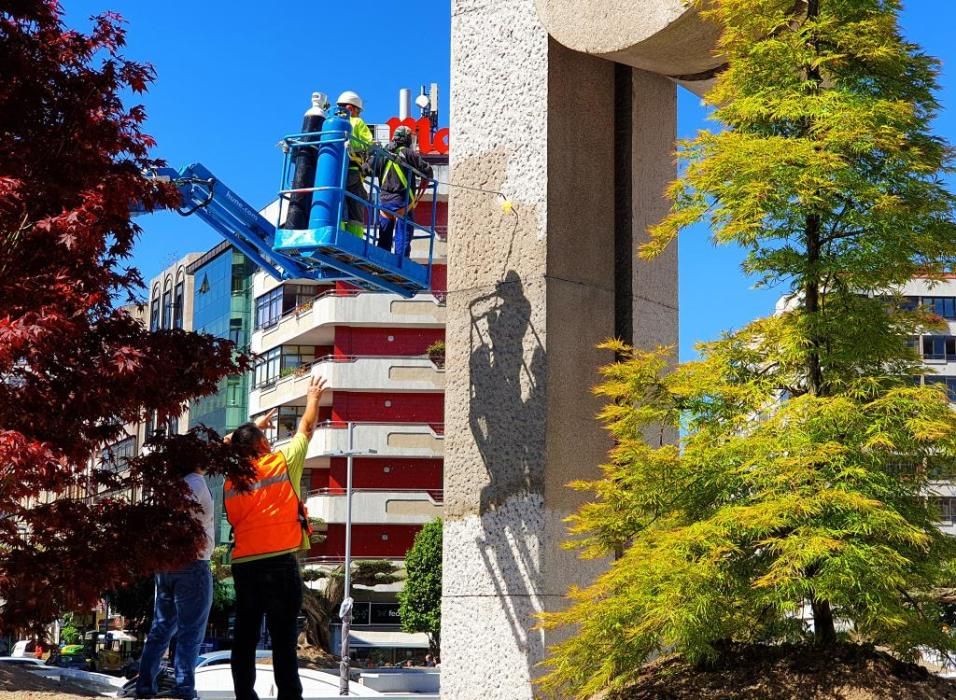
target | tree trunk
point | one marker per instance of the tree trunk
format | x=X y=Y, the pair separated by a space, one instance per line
x=824 y=632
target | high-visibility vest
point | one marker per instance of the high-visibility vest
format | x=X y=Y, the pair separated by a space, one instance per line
x=269 y=517
x=359 y=142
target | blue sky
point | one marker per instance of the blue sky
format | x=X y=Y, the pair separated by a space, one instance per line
x=232 y=82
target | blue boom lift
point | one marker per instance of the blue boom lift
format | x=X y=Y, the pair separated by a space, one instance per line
x=314 y=240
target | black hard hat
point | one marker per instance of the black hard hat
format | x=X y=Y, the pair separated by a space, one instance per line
x=402 y=136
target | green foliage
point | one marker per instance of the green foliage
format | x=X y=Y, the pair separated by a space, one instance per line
x=420 y=599
x=803 y=444
x=69 y=632
x=223 y=592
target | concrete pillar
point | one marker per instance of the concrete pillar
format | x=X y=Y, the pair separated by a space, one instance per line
x=582 y=147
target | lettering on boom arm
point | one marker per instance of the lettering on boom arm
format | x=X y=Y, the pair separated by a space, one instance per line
x=428 y=144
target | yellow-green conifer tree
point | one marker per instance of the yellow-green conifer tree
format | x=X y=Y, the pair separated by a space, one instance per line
x=798 y=487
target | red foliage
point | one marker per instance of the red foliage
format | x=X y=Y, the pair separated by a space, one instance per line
x=73 y=366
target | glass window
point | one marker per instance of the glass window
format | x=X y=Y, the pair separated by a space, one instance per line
x=948 y=382
x=154 y=313
x=909 y=303
x=236 y=334
x=287 y=422
x=947 y=509
x=269 y=308
x=295 y=356
x=939 y=347
x=941 y=306
x=233 y=391
x=117 y=455
x=167 y=308
x=173 y=426
x=178 y=305
x=267 y=368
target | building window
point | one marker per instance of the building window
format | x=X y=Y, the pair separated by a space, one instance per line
x=269 y=308
x=287 y=422
x=939 y=347
x=172 y=426
x=233 y=391
x=295 y=356
x=154 y=312
x=948 y=382
x=167 y=308
x=941 y=306
x=178 y=305
x=235 y=332
x=909 y=303
x=117 y=456
x=240 y=277
x=267 y=368
x=947 y=510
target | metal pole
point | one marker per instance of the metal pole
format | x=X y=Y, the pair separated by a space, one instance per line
x=345 y=611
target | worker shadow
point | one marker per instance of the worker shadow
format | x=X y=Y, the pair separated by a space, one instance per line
x=507 y=420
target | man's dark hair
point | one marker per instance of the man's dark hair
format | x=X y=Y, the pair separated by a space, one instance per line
x=246 y=439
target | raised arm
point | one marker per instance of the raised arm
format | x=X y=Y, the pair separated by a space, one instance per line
x=311 y=415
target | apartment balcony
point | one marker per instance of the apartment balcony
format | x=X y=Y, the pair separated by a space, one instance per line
x=382 y=439
x=314 y=323
x=376 y=506
x=388 y=373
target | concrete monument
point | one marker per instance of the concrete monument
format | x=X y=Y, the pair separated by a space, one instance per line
x=568 y=108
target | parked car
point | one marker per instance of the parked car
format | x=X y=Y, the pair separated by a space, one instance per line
x=167 y=674
x=77 y=659
x=219 y=658
x=21 y=661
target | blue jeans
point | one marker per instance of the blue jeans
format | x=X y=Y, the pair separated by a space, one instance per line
x=183 y=599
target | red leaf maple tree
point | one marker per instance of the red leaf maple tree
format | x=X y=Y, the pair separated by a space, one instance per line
x=74 y=366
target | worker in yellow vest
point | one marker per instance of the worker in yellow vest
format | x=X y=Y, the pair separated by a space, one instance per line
x=359 y=146
x=270 y=526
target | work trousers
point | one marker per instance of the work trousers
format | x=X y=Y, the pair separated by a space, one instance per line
x=355 y=209
x=389 y=228
x=183 y=599
x=272 y=588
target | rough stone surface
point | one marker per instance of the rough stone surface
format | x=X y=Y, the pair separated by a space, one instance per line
x=529 y=296
x=661 y=36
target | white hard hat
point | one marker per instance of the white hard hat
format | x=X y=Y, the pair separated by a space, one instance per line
x=350 y=98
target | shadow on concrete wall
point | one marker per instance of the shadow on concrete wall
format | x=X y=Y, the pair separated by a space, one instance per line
x=507 y=420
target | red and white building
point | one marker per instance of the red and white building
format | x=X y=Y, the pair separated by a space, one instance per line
x=371 y=348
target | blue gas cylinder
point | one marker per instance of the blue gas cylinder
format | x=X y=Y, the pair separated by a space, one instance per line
x=330 y=174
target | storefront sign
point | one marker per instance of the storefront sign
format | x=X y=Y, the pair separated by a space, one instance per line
x=364 y=613
x=428 y=143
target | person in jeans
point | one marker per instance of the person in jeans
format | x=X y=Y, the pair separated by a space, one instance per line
x=183 y=599
x=269 y=526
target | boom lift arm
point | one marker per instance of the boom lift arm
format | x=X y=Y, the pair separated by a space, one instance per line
x=238 y=222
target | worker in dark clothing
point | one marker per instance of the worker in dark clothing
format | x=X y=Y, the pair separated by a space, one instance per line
x=399 y=170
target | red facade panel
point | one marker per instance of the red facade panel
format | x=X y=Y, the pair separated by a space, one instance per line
x=439 y=278
x=381 y=473
x=368 y=541
x=381 y=407
x=384 y=341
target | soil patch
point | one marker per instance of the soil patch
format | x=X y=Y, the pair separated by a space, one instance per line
x=788 y=672
x=16 y=683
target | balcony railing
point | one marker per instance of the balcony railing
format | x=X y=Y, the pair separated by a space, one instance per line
x=384 y=439
x=334 y=307
x=437 y=496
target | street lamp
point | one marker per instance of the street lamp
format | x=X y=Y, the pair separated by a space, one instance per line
x=345 y=611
